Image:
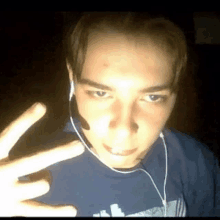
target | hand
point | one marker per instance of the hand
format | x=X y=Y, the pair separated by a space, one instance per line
x=15 y=195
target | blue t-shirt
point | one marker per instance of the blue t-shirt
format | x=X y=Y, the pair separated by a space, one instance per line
x=192 y=187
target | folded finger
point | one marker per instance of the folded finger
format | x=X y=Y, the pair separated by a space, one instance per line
x=31 y=164
x=33 y=208
x=30 y=190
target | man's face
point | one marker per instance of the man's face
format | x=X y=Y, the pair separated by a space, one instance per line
x=124 y=118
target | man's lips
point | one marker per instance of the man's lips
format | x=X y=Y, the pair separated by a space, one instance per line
x=122 y=153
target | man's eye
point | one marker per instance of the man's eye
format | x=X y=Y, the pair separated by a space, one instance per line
x=150 y=98
x=97 y=94
x=155 y=98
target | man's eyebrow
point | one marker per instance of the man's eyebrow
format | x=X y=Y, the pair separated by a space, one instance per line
x=167 y=86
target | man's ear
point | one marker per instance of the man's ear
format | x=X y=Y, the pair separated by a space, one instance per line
x=69 y=71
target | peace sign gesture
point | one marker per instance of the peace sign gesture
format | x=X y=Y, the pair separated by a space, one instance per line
x=15 y=195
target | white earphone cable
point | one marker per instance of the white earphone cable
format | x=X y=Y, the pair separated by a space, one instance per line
x=72 y=91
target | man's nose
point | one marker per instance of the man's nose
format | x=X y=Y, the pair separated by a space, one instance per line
x=124 y=123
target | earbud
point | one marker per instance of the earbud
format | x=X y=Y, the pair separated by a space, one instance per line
x=72 y=90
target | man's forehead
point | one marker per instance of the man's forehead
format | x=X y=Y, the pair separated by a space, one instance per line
x=123 y=41
x=114 y=49
x=108 y=56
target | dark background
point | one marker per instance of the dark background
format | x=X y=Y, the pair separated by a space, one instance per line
x=32 y=68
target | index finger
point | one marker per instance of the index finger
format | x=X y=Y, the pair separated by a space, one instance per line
x=31 y=164
x=17 y=128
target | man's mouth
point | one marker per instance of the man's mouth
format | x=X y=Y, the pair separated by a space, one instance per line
x=119 y=151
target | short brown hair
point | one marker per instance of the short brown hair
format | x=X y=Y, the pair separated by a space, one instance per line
x=160 y=30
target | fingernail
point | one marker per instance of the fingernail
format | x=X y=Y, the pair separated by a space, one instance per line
x=39 y=108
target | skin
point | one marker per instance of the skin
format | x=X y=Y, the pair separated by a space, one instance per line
x=124 y=117
x=17 y=196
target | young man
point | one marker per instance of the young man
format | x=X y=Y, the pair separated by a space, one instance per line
x=125 y=70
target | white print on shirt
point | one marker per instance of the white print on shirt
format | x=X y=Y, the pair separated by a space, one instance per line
x=176 y=208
